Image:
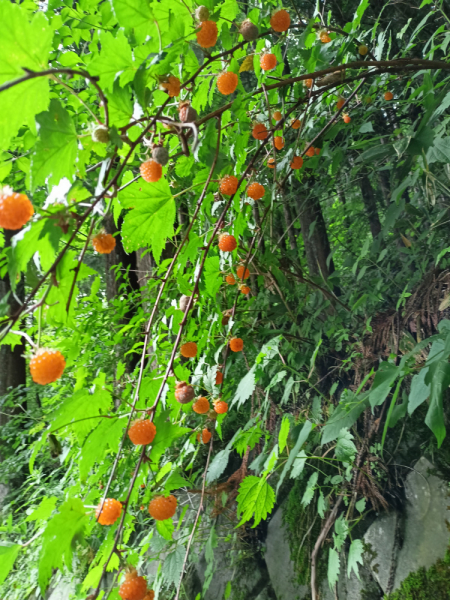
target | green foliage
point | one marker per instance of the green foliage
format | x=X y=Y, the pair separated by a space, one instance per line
x=425 y=583
x=256 y=499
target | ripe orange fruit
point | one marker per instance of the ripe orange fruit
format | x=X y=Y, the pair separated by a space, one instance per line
x=340 y=103
x=189 y=350
x=227 y=242
x=219 y=377
x=150 y=595
x=255 y=191
x=244 y=289
x=296 y=124
x=230 y=279
x=229 y=185
x=309 y=83
x=151 y=171
x=271 y=163
x=268 y=62
x=134 y=587
x=317 y=151
x=259 y=131
x=297 y=162
x=227 y=82
x=171 y=86
x=207 y=34
x=184 y=393
x=388 y=95
x=310 y=151
x=236 y=344
x=280 y=20
x=220 y=407
x=277 y=115
x=325 y=38
x=206 y=436
x=142 y=432
x=201 y=405
x=242 y=272
x=104 y=243
x=346 y=118
x=363 y=49
x=15 y=209
x=161 y=508
x=279 y=142
x=111 y=511
x=47 y=366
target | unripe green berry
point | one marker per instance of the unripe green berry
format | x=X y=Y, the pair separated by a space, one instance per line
x=202 y=13
x=101 y=134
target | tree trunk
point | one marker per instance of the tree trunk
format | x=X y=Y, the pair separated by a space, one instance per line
x=370 y=204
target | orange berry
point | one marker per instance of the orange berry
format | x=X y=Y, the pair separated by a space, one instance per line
x=142 y=485
x=229 y=185
x=227 y=242
x=242 y=272
x=142 y=432
x=255 y=191
x=271 y=163
x=279 y=142
x=206 y=436
x=363 y=49
x=150 y=595
x=227 y=82
x=104 y=243
x=325 y=38
x=219 y=377
x=189 y=350
x=317 y=151
x=309 y=83
x=184 y=393
x=297 y=162
x=280 y=20
x=134 y=587
x=171 y=86
x=310 y=151
x=47 y=366
x=151 y=171
x=142 y=507
x=340 y=103
x=388 y=96
x=346 y=118
x=244 y=289
x=277 y=115
x=111 y=511
x=296 y=124
x=236 y=344
x=220 y=407
x=15 y=209
x=259 y=131
x=230 y=279
x=201 y=405
x=268 y=62
x=207 y=34
x=161 y=508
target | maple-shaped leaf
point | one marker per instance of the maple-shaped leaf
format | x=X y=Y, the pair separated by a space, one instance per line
x=255 y=499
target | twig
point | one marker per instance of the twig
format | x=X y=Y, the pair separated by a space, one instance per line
x=78 y=267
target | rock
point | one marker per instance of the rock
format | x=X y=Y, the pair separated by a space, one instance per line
x=380 y=539
x=62 y=591
x=279 y=563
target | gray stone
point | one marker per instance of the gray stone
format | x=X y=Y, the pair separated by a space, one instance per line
x=63 y=590
x=352 y=588
x=279 y=563
x=380 y=540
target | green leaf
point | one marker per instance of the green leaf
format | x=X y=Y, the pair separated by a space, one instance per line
x=438 y=378
x=114 y=60
x=347 y=412
x=382 y=384
x=245 y=388
x=59 y=539
x=218 y=465
x=299 y=464
x=361 y=505
x=255 y=498
x=303 y=436
x=333 y=568
x=345 y=448
x=359 y=14
x=321 y=505
x=284 y=432
x=8 y=555
x=152 y=218
x=354 y=557
x=419 y=392
x=212 y=277
x=106 y=435
x=20 y=104
x=166 y=434
x=44 y=510
x=133 y=13
x=165 y=528
x=310 y=489
x=56 y=150
x=120 y=106
x=172 y=565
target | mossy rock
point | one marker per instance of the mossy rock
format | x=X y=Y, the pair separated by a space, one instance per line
x=431 y=584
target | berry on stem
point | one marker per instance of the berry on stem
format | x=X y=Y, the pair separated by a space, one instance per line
x=296 y=124
x=340 y=103
x=297 y=163
x=184 y=392
x=230 y=279
x=280 y=21
x=279 y=142
x=206 y=436
x=161 y=155
x=15 y=209
x=244 y=289
x=134 y=587
x=309 y=83
x=111 y=511
x=248 y=30
x=161 y=508
x=202 y=13
x=255 y=191
x=363 y=49
x=189 y=350
x=227 y=82
x=100 y=134
x=242 y=272
x=228 y=185
x=236 y=344
x=207 y=34
x=325 y=38
x=310 y=151
x=187 y=113
x=150 y=595
x=171 y=86
x=142 y=432
x=151 y=171
x=259 y=131
x=104 y=243
x=268 y=62
x=271 y=163
x=346 y=118
x=317 y=151
x=219 y=377
x=227 y=242
x=47 y=366
x=201 y=405
x=220 y=407
x=277 y=115
x=388 y=95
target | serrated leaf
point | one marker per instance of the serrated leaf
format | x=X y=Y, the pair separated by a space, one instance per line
x=303 y=436
x=333 y=568
x=217 y=466
x=310 y=489
x=165 y=528
x=56 y=150
x=44 y=510
x=150 y=222
x=173 y=563
x=345 y=448
x=59 y=537
x=115 y=60
x=256 y=498
x=132 y=14
x=354 y=557
x=8 y=555
x=245 y=388
x=284 y=432
x=299 y=464
x=321 y=505
x=247 y=64
x=120 y=106
x=212 y=277
x=106 y=435
x=166 y=434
